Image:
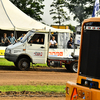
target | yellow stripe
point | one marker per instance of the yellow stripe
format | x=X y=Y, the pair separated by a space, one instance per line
x=2 y=52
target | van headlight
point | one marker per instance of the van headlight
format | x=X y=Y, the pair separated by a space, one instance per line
x=8 y=51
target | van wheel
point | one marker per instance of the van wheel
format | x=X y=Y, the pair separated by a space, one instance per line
x=74 y=66
x=67 y=66
x=23 y=64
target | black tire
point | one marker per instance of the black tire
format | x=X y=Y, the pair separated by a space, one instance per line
x=67 y=66
x=16 y=64
x=24 y=64
x=74 y=66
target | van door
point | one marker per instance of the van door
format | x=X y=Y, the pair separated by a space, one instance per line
x=37 y=47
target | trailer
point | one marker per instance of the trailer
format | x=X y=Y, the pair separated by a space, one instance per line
x=62 y=55
x=70 y=63
x=87 y=86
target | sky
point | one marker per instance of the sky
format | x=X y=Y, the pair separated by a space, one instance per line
x=47 y=18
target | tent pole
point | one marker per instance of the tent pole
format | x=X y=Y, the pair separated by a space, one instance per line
x=15 y=33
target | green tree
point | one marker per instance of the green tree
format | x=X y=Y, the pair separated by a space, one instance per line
x=71 y=27
x=81 y=9
x=33 y=8
x=59 y=15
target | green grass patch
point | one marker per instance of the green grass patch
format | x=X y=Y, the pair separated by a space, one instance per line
x=4 y=62
x=38 y=88
x=39 y=65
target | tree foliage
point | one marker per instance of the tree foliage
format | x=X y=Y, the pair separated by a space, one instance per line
x=59 y=15
x=33 y=8
x=81 y=8
x=71 y=27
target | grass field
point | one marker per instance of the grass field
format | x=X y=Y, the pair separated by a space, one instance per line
x=38 y=88
x=4 y=62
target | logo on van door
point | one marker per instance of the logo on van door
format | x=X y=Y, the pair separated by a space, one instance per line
x=56 y=53
x=38 y=53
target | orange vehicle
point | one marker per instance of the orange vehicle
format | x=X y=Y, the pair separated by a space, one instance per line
x=87 y=86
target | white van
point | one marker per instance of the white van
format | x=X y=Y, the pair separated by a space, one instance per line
x=30 y=50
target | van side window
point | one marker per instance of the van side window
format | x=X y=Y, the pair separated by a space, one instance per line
x=37 y=39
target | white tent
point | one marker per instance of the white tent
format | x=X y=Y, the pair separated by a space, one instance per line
x=12 y=18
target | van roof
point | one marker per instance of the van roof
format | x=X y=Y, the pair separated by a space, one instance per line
x=54 y=30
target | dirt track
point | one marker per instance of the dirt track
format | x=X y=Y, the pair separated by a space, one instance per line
x=37 y=76
x=32 y=98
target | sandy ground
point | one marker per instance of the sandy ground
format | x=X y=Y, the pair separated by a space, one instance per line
x=36 y=76
x=32 y=98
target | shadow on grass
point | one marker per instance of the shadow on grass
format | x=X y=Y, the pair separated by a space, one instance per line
x=12 y=68
x=7 y=65
x=46 y=69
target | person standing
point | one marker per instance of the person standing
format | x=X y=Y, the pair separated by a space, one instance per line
x=53 y=43
x=22 y=36
x=12 y=38
x=4 y=40
x=70 y=43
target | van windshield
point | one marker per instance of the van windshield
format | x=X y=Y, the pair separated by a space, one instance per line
x=30 y=33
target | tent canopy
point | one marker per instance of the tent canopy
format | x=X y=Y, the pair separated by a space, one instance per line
x=12 y=18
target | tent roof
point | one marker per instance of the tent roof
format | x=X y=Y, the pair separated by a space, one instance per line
x=12 y=18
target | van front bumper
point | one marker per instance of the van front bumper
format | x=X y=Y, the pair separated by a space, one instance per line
x=11 y=57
